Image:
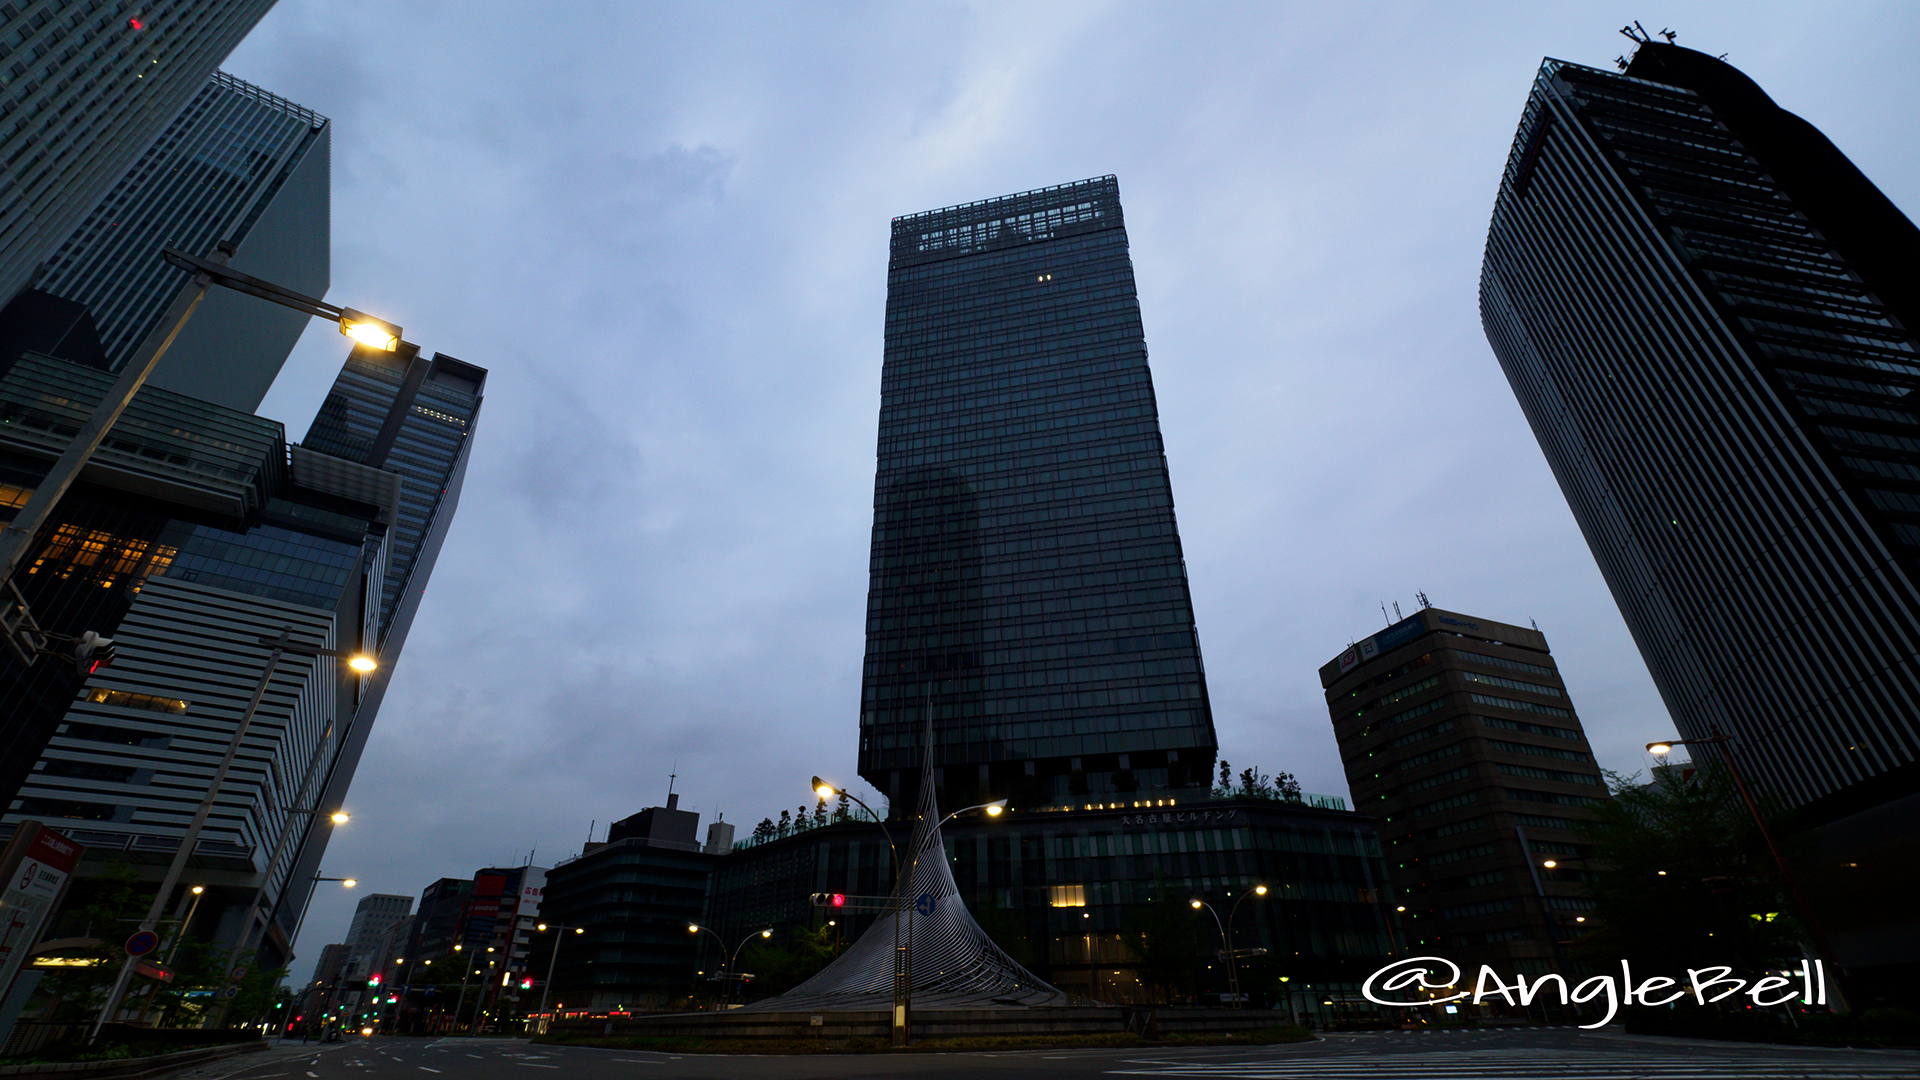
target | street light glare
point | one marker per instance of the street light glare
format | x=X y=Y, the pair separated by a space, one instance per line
x=369 y=331
x=198 y=889
x=1550 y=864
x=995 y=811
x=341 y=817
x=692 y=929
x=350 y=882
x=1659 y=748
x=362 y=663
x=1196 y=904
x=1260 y=890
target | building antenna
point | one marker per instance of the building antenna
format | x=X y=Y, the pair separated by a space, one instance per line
x=671 y=777
x=590 y=826
x=1422 y=597
x=1383 y=614
x=1396 y=611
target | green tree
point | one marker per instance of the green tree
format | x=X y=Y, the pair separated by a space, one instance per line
x=1680 y=876
x=103 y=909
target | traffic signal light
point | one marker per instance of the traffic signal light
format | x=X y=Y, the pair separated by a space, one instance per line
x=92 y=652
x=839 y=899
x=374 y=980
x=821 y=899
x=526 y=984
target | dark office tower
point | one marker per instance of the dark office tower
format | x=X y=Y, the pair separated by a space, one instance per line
x=84 y=87
x=1709 y=317
x=411 y=416
x=238 y=165
x=1458 y=737
x=1026 y=582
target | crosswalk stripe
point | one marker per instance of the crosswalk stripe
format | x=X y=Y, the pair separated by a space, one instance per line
x=1525 y=1066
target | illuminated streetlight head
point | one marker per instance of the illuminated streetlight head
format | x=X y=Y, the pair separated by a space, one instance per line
x=1402 y=907
x=362 y=663
x=198 y=889
x=350 y=883
x=824 y=789
x=1196 y=904
x=341 y=817
x=1659 y=749
x=692 y=929
x=766 y=933
x=1550 y=864
x=542 y=926
x=1259 y=890
x=369 y=331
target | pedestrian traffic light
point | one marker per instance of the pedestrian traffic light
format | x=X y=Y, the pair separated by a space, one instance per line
x=92 y=652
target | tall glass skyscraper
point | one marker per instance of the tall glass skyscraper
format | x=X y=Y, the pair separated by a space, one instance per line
x=239 y=165
x=84 y=87
x=1026 y=585
x=1709 y=316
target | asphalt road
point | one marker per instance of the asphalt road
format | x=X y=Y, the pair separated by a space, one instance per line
x=1549 y=1054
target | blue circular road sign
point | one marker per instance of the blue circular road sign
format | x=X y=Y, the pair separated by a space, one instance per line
x=142 y=943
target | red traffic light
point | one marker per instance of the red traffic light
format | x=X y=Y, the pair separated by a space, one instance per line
x=839 y=900
x=373 y=980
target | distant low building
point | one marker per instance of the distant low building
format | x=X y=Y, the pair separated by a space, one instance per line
x=634 y=896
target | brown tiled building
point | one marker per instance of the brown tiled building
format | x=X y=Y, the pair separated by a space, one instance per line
x=1458 y=736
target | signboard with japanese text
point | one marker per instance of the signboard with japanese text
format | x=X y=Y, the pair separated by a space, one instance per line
x=37 y=864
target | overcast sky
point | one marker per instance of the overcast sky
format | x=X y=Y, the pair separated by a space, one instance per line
x=663 y=230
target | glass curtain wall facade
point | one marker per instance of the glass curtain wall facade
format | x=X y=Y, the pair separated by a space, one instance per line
x=240 y=165
x=1026 y=588
x=188 y=542
x=86 y=87
x=1707 y=314
x=411 y=418
x=1100 y=899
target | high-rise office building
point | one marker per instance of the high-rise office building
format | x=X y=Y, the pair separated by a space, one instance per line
x=1026 y=583
x=237 y=165
x=1709 y=316
x=411 y=419
x=1458 y=737
x=84 y=87
x=373 y=921
x=195 y=533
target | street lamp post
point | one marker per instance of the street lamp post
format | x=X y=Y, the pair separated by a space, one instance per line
x=1725 y=742
x=1226 y=935
x=16 y=536
x=733 y=963
x=465 y=981
x=347 y=882
x=281 y=643
x=546 y=1021
x=828 y=791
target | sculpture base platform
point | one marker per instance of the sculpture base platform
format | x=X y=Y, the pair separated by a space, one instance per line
x=930 y=1023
